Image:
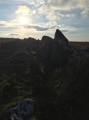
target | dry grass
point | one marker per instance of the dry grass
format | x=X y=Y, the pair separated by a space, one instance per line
x=79 y=44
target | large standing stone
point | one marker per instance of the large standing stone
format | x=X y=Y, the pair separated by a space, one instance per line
x=60 y=37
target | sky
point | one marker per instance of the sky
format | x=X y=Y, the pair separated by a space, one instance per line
x=35 y=18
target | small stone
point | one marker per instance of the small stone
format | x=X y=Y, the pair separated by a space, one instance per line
x=24 y=108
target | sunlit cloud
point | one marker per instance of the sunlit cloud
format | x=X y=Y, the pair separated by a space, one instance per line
x=33 y=12
x=24 y=10
x=13 y=23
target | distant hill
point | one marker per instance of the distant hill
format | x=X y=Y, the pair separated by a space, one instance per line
x=79 y=44
x=5 y=40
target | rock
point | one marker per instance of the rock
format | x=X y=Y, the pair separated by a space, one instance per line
x=79 y=52
x=45 y=48
x=59 y=56
x=54 y=52
x=47 y=40
x=60 y=37
x=23 y=109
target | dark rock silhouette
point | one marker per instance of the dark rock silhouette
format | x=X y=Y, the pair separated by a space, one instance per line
x=46 y=40
x=54 y=52
x=60 y=37
x=57 y=52
x=45 y=49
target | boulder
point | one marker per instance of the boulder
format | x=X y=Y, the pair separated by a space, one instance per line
x=23 y=109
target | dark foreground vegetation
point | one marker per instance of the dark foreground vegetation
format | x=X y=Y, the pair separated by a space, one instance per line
x=59 y=86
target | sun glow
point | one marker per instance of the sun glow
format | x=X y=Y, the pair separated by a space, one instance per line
x=23 y=21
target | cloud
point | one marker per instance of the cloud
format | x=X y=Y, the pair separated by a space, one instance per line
x=44 y=9
x=67 y=28
x=47 y=26
x=39 y=28
x=68 y=4
x=18 y=2
x=51 y=14
x=14 y=34
x=53 y=9
x=51 y=24
x=69 y=15
x=65 y=31
x=31 y=3
x=56 y=16
x=62 y=4
x=36 y=3
x=41 y=1
x=64 y=28
x=1 y=25
x=23 y=10
x=5 y=24
x=33 y=12
x=85 y=12
x=10 y=24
